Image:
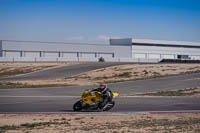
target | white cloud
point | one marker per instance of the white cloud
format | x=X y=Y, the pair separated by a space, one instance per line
x=103 y=38
x=99 y=38
x=115 y=37
x=75 y=38
x=106 y=38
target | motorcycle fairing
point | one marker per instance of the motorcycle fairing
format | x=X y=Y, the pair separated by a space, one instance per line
x=91 y=97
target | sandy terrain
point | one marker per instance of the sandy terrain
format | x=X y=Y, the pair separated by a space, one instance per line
x=136 y=71
x=10 y=69
x=196 y=92
x=121 y=73
x=56 y=123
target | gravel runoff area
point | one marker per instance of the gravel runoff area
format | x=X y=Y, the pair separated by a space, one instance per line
x=117 y=73
x=90 y=123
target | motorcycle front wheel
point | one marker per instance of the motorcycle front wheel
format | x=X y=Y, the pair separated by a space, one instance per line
x=77 y=106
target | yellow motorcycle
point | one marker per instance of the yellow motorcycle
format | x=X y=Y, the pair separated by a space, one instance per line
x=91 y=101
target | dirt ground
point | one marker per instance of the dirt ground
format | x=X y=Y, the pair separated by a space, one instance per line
x=121 y=73
x=64 y=123
x=11 y=69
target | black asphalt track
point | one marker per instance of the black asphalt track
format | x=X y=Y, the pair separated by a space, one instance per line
x=61 y=99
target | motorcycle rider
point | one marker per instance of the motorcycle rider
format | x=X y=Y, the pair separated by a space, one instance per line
x=106 y=94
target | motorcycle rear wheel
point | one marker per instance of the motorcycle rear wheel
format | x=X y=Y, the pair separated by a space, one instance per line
x=77 y=106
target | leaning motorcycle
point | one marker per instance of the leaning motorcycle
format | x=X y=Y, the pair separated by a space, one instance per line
x=91 y=100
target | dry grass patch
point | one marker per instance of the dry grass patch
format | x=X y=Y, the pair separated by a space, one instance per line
x=132 y=72
x=137 y=71
x=10 y=85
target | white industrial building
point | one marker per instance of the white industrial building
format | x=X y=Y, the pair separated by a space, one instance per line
x=119 y=50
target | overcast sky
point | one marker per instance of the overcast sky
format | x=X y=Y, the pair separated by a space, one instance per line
x=94 y=21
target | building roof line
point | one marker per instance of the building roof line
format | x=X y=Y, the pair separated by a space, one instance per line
x=147 y=41
x=166 y=45
x=54 y=42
